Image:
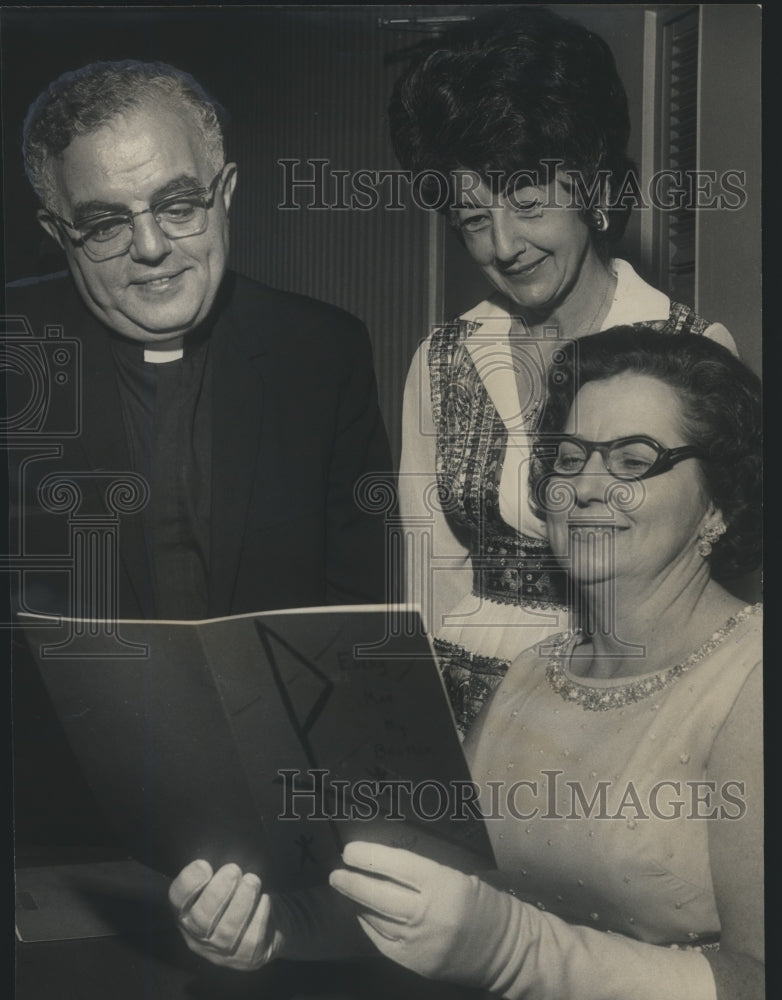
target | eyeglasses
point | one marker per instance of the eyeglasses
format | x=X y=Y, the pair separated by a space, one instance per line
x=111 y=234
x=636 y=457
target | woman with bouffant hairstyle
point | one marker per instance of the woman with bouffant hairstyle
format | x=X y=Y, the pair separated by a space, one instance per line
x=522 y=118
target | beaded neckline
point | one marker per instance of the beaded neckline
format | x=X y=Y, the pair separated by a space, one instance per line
x=600 y=699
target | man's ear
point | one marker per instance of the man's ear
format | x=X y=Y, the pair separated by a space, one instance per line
x=229 y=183
x=49 y=226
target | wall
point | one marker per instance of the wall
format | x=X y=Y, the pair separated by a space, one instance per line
x=729 y=249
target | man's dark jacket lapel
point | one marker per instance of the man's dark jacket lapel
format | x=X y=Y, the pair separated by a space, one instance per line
x=238 y=415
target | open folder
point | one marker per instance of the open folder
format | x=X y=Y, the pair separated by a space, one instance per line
x=267 y=739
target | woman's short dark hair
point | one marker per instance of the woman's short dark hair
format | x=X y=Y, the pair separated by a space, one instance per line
x=506 y=92
x=721 y=406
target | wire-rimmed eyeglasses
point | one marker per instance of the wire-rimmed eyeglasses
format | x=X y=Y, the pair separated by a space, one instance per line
x=634 y=457
x=110 y=234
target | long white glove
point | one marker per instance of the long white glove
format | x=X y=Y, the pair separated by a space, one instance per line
x=226 y=918
x=446 y=925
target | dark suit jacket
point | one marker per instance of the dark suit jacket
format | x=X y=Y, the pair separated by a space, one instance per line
x=295 y=425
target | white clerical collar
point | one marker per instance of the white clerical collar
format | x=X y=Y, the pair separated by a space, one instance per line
x=163 y=357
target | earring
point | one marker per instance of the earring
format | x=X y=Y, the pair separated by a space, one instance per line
x=708 y=537
x=599 y=220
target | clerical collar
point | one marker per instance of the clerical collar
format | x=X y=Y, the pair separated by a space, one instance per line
x=137 y=353
x=163 y=357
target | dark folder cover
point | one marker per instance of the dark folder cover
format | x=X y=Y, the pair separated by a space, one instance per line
x=270 y=740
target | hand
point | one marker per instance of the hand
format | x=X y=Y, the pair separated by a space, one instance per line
x=446 y=925
x=224 y=917
x=429 y=918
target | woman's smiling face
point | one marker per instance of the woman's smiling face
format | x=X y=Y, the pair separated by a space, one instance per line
x=641 y=529
x=528 y=243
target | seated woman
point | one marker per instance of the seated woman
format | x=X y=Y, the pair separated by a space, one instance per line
x=493 y=107
x=621 y=764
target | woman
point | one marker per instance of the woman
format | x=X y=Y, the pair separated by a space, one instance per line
x=622 y=763
x=494 y=107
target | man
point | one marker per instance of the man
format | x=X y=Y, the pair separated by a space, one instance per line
x=251 y=413
x=219 y=427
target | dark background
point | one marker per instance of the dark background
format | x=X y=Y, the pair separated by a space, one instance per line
x=308 y=82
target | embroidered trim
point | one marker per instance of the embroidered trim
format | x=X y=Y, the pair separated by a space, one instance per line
x=706 y=946
x=681 y=319
x=477 y=661
x=531 y=604
x=469 y=680
x=598 y=699
x=530 y=542
x=471 y=436
x=471 y=443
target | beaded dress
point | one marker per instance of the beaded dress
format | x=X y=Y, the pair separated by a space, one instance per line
x=611 y=823
x=481 y=568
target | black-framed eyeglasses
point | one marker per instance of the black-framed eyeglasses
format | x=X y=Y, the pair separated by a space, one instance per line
x=634 y=457
x=110 y=234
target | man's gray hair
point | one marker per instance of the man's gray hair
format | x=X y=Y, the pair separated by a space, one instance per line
x=82 y=101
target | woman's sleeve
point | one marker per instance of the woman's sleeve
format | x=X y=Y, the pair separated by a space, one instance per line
x=544 y=958
x=446 y=925
x=721 y=335
x=438 y=573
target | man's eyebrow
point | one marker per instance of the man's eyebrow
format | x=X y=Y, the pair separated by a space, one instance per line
x=177 y=185
x=88 y=209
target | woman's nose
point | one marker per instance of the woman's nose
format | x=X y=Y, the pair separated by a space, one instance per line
x=509 y=240
x=150 y=243
x=593 y=481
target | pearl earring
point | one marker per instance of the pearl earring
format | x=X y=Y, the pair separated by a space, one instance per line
x=600 y=220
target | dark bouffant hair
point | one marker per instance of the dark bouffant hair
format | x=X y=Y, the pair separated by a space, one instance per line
x=509 y=90
x=721 y=404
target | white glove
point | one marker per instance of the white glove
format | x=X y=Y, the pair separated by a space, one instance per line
x=226 y=918
x=443 y=924
x=429 y=918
